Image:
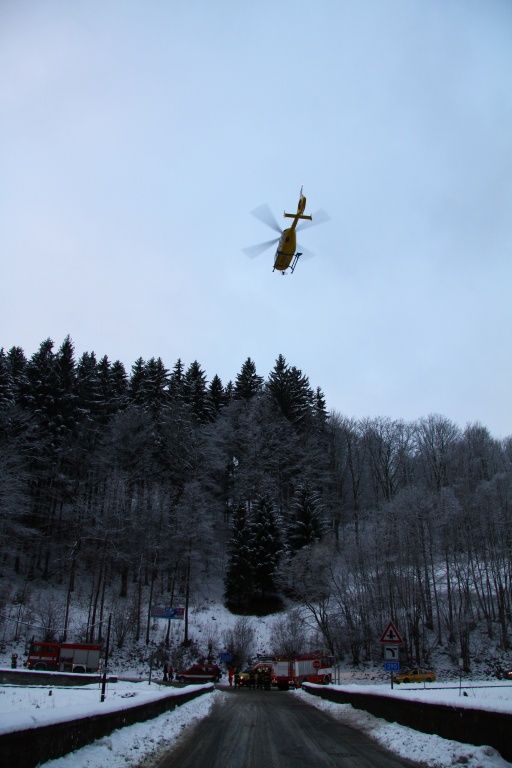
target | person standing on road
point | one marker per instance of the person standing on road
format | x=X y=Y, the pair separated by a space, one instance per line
x=231 y=673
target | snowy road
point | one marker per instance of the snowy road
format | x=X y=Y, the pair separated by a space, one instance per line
x=272 y=729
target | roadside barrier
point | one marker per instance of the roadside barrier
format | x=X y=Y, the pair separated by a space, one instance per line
x=31 y=746
x=471 y=726
x=35 y=677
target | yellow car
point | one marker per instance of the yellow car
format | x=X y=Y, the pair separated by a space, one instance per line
x=246 y=678
x=415 y=675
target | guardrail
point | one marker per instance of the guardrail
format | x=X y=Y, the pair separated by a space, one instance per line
x=471 y=726
x=44 y=677
x=31 y=746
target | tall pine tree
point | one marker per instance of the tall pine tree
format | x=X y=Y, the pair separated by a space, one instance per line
x=247 y=383
x=119 y=385
x=6 y=382
x=216 y=395
x=238 y=581
x=266 y=550
x=195 y=393
x=89 y=387
x=136 y=390
x=66 y=396
x=177 y=380
x=18 y=366
x=305 y=523
x=154 y=391
x=290 y=390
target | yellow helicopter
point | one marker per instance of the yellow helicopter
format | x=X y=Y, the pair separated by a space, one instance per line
x=287 y=254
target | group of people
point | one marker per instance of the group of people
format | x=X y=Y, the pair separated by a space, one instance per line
x=168 y=673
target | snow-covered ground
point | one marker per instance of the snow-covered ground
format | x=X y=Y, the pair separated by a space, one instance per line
x=140 y=744
x=27 y=706
x=495 y=697
x=425 y=749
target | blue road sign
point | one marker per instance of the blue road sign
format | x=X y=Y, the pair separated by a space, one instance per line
x=167 y=612
x=392 y=666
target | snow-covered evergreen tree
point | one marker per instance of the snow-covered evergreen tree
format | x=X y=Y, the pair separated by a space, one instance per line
x=305 y=523
x=195 y=393
x=119 y=385
x=290 y=390
x=66 y=396
x=90 y=392
x=42 y=387
x=18 y=367
x=154 y=391
x=300 y=397
x=277 y=383
x=238 y=581
x=319 y=409
x=104 y=372
x=136 y=391
x=228 y=392
x=247 y=382
x=216 y=395
x=266 y=547
x=6 y=382
x=177 y=380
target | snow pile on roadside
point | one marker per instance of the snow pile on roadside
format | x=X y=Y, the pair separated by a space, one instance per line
x=139 y=744
x=495 y=697
x=427 y=750
x=28 y=706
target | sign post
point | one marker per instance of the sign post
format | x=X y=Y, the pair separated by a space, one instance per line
x=107 y=648
x=391 y=642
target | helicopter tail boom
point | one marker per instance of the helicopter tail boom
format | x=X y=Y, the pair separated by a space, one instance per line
x=301 y=207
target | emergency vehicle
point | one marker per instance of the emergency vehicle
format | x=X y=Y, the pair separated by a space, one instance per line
x=202 y=672
x=305 y=668
x=64 y=657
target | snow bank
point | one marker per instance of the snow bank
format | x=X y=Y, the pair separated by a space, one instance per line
x=24 y=707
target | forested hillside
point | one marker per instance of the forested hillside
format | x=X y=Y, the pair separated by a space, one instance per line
x=133 y=488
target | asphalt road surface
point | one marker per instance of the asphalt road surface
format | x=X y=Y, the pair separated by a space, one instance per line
x=274 y=729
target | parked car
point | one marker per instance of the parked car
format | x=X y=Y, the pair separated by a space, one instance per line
x=415 y=675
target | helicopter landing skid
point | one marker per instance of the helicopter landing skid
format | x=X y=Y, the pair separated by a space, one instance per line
x=295 y=260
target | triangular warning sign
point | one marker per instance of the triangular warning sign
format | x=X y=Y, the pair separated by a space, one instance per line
x=391 y=635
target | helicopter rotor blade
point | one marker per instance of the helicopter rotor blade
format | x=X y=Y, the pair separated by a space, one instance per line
x=256 y=250
x=265 y=215
x=305 y=253
x=320 y=217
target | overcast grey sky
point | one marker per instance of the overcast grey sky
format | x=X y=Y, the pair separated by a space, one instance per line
x=136 y=136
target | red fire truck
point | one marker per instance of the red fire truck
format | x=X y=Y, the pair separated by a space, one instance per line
x=202 y=672
x=306 y=668
x=64 y=657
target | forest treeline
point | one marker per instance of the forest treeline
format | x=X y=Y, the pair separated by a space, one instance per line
x=130 y=489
